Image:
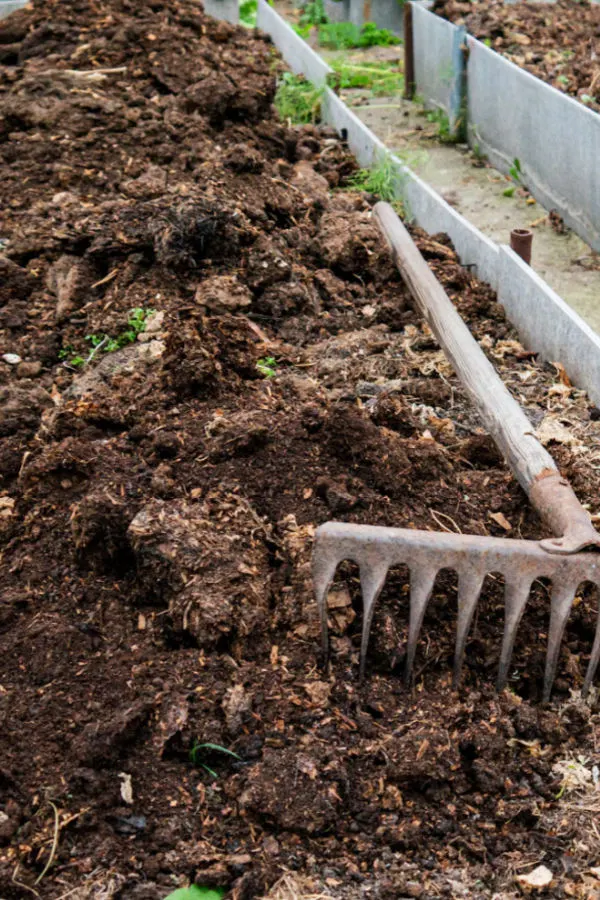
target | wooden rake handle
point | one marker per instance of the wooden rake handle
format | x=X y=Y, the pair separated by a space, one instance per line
x=532 y=466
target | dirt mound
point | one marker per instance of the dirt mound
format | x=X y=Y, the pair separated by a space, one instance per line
x=205 y=352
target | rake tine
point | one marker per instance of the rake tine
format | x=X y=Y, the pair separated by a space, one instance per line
x=372 y=579
x=560 y=607
x=421 y=586
x=469 y=589
x=595 y=657
x=324 y=567
x=516 y=594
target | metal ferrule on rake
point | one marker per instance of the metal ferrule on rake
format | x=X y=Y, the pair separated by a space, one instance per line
x=375 y=549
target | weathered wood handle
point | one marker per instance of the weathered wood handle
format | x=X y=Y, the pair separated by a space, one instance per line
x=531 y=464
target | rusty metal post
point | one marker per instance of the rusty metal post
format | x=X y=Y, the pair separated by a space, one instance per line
x=520 y=241
x=409 y=53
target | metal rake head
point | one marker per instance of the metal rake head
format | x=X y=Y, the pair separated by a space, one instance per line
x=375 y=549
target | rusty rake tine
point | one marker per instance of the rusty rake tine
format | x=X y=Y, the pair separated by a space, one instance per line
x=595 y=657
x=469 y=589
x=515 y=599
x=560 y=607
x=421 y=586
x=324 y=567
x=372 y=579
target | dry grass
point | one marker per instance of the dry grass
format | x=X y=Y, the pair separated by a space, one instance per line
x=297 y=887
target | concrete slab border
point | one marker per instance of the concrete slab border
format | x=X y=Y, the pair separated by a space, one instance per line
x=9 y=6
x=511 y=114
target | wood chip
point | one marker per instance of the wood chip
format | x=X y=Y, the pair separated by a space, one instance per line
x=501 y=520
x=537 y=880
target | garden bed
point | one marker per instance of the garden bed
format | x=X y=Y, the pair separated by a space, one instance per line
x=557 y=42
x=158 y=501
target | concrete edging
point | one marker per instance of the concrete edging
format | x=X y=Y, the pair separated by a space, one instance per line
x=511 y=114
x=543 y=320
x=9 y=6
x=547 y=324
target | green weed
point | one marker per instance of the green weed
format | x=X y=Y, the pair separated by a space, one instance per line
x=248 y=11
x=267 y=366
x=475 y=145
x=198 y=750
x=297 y=100
x=302 y=31
x=516 y=175
x=313 y=14
x=136 y=323
x=379 y=78
x=439 y=117
x=382 y=181
x=196 y=892
x=346 y=36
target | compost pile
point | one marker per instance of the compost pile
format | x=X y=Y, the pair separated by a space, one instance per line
x=558 y=42
x=157 y=502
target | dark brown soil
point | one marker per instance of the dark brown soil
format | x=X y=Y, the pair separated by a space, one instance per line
x=157 y=505
x=558 y=42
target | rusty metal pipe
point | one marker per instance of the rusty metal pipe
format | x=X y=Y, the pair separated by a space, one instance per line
x=521 y=240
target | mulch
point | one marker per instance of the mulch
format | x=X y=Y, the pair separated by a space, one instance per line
x=158 y=502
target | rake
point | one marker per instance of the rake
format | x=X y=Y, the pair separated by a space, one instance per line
x=562 y=559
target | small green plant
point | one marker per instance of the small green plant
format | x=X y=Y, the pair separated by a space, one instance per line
x=585 y=98
x=267 y=366
x=199 y=750
x=562 y=79
x=515 y=169
x=439 y=117
x=136 y=322
x=476 y=150
x=313 y=14
x=516 y=174
x=196 y=892
x=382 y=181
x=302 y=31
x=487 y=41
x=378 y=78
x=70 y=361
x=248 y=11
x=297 y=100
x=346 y=36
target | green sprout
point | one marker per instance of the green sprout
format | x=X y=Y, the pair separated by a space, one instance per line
x=439 y=117
x=199 y=749
x=515 y=173
x=515 y=170
x=137 y=321
x=248 y=11
x=196 y=892
x=381 y=180
x=267 y=366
